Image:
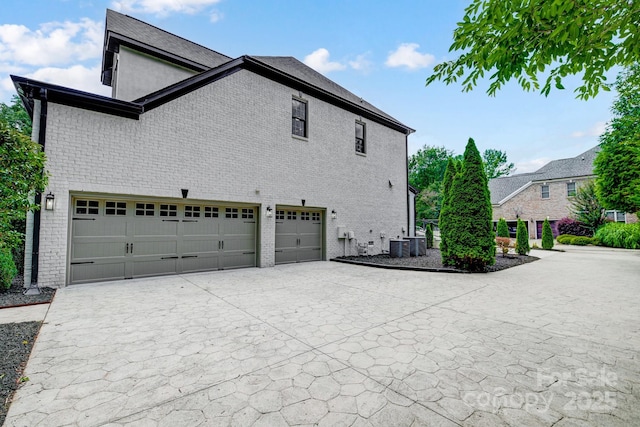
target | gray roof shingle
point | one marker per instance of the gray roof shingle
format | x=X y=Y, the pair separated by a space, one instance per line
x=579 y=166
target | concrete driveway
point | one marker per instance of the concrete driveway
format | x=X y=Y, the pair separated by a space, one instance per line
x=554 y=342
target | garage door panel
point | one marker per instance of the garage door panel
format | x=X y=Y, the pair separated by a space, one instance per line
x=155 y=227
x=98 y=227
x=97 y=272
x=286 y=256
x=298 y=236
x=309 y=254
x=83 y=250
x=203 y=245
x=239 y=260
x=150 y=267
x=200 y=262
x=155 y=247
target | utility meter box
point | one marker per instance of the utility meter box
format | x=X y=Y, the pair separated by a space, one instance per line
x=342 y=232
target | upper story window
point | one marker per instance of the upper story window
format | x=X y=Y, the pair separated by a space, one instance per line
x=299 y=117
x=360 y=141
x=545 y=191
x=571 y=189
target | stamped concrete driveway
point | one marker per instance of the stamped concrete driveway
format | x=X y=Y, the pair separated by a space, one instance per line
x=555 y=342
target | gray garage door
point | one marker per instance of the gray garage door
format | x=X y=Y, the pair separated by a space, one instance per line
x=298 y=235
x=121 y=239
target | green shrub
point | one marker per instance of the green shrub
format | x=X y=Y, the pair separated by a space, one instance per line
x=564 y=239
x=580 y=240
x=502 y=229
x=547 y=235
x=428 y=234
x=8 y=268
x=447 y=214
x=619 y=235
x=522 y=239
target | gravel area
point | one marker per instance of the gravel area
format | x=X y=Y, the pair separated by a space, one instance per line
x=14 y=296
x=432 y=262
x=15 y=346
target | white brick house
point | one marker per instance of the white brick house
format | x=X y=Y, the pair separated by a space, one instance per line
x=203 y=162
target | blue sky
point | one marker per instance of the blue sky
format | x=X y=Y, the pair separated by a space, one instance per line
x=381 y=51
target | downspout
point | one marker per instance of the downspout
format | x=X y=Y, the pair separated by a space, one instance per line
x=406 y=157
x=38 y=199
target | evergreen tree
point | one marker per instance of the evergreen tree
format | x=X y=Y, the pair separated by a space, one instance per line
x=547 y=235
x=522 y=239
x=428 y=233
x=470 y=237
x=453 y=168
x=503 y=229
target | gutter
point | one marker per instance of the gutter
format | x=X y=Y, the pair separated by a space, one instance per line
x=42 y=132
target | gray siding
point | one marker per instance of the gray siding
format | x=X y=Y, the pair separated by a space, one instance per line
x=229 y=141
x=137 y=75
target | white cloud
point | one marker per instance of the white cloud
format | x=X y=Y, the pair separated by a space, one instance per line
x=54 y=43
x=76 y=77
x=596 y=130
x=531 y=165
x=361 y=63
x=406 y=55
x=215 y=16
x=162 y=7
x=319 y=61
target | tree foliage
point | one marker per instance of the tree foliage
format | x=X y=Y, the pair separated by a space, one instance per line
x=470 y=237
x=16 y=116
x=547 y=235
x=522 y=238
x=21 y=174
x=586 y=207
x=540 y=42
x=502 y=230
x=496 y=163
x=617 y=165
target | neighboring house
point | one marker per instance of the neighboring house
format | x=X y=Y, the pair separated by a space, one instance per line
x=545 y=193
x=202 y=162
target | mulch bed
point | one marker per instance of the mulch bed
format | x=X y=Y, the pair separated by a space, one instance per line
x=16 y=341
x=431 y=262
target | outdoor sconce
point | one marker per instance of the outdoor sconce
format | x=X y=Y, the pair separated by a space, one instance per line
x=185 y=192
x=334 y=215
x=269 y=212
x=48 y=201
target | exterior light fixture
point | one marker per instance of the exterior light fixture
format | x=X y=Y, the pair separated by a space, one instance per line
x=334 y=215
x=49 y=201
x=269 y=212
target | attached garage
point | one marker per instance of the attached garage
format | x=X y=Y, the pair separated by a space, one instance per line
x=115 y=239
x=298 y=235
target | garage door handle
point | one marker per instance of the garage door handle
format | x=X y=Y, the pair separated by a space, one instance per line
x=189 y=220
x=170 y=220
x=126 y=249
x=249 y=253
x=279 y=250
x=190 y=256
x=170 y=257
x=84 y=262
x=84 y=219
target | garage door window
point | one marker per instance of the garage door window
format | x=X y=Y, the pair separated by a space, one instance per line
x=279 y=214
x=231 y=213
x=192 y=211
x=87 y=207
x=210 y=212
x=305 y=216
x=247 y=213
x=315 y=216
x=116 y=208
x=168 y=210
x=292 y=215
x=145 y=209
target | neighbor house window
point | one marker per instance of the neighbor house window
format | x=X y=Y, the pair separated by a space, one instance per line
x=571 y=189
x=298 y=117
x=545 y=191
x=360 y=142
x=616 y=216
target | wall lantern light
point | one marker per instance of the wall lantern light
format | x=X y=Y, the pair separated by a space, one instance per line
x=269 y=212
x=334 y=215
x=48 y=201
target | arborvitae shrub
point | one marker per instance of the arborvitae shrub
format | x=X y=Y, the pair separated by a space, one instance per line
x=470 y=238
x=502 y=229
x=572 y=227
x=547 y=235
x=428 y=234
x=522 y=239
x=8 y=268
x=446 y=212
